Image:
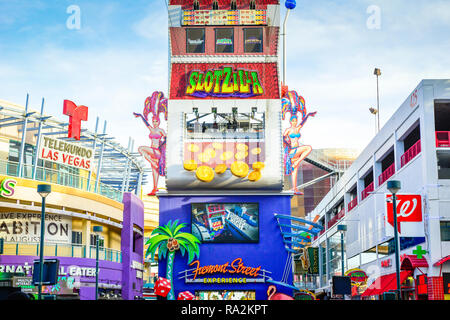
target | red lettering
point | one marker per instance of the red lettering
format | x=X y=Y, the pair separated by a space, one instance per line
x=76 y=161
x=65 y=156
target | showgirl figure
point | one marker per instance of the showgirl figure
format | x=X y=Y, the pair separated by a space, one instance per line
x=294 y=152
x=155 y=154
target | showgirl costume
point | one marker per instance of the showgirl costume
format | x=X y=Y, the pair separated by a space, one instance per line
x=291 y=103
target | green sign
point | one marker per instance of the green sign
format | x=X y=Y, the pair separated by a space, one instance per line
x=313 y=255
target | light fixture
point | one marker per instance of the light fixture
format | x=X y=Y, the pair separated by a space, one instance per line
x=394 y=186
x=44 y=190
x=373 y=111
x=377 y=72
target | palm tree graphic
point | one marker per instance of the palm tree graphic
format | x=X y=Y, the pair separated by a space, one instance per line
x=167 y=240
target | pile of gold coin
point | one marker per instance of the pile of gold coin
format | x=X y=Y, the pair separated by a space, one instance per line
x=239 y=169
x=205 y=174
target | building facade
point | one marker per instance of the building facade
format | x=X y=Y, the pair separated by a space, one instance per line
x=78 y=202
x=412 y=147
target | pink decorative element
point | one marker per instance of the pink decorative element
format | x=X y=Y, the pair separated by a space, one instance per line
x=389 y=172
x=442 y=139
x=162 y=287
x=411 y=153
x=272 y=295
x=352 y=204
x=336 y=218
x=366 y=191
x=185 y=295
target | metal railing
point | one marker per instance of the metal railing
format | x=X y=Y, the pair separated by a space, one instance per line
x=60 y=177
x=366 y=192
x=61 y=250
x=389 y=172
x=352 y=204
x=442 y=139
x=411 y=153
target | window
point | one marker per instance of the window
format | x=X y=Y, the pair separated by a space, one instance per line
x=195 y=40
x=387 y=248
x=233 y=5
x=369 y=255
x=224 y=40
x=445 y=230
x=215 y=5
x=253 y=40
x=196 y=5
x=252 y=5
x=101 y=241
x=77 y=237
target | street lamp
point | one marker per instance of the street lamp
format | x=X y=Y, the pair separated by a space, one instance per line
x=290 y=5
x=342 y=228
x=97 y=230
x=43 y=190
x=374 y=111
x=394 y=186
x=377 y=72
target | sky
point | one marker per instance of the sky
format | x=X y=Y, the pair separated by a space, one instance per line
x=118 y=55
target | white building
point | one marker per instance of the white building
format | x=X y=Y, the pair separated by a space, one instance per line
x=414 y=148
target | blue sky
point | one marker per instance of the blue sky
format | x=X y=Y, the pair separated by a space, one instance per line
x=119 y=57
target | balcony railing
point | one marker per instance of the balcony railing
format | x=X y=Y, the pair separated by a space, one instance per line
x=411 y=153
x=389 y=172
x=61 y=250
x=60 y=177
x=336 y=218
x=352 y=204
x=442 y=139
x=367 y=190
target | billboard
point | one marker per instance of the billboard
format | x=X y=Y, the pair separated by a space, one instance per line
x=225 y=222
x=65 y=153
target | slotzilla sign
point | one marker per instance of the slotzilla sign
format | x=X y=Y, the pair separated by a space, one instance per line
x=224 y=82
x=66 y=153
x=25 y=227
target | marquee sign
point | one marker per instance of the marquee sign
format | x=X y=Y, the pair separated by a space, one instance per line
x=224 y=82
x=235 y=272
x=224 y=17
x=66 y=153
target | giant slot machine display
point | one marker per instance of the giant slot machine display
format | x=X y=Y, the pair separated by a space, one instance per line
x=222 y=157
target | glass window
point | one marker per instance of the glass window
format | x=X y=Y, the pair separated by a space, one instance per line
x=353 y=262
x=253 y=40
x=445 y=230
x=369 y=255
x=77 y=237
x=224 y=40
x=195 y=40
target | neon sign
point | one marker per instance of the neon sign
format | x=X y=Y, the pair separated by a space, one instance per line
x=357 y=276
x=224 y=82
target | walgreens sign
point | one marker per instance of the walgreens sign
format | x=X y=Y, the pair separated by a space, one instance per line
x=409 y=215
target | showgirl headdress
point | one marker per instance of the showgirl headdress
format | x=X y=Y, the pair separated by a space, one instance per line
x=292 y=103
x=155 y=105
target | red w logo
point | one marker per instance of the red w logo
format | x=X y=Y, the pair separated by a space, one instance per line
x=76 y=115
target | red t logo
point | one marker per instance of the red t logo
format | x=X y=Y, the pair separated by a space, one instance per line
x=76 y=115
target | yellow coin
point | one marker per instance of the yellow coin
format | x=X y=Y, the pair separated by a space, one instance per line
x=193 y=148
x=258 y=166
x=205 y=174
x=226 y=155
x=254 y=176
x=217 y=145
x=239 y=169
x=210 y=152
x=221 y=168
x=242 y=147
x=190 y=165
x=204 y=157
x=241 y=155
x=256 y=151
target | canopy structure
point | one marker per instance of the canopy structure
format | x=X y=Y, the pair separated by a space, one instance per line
x=441 y=261
x=116 y=169
x=385 y=283
x=410 y=262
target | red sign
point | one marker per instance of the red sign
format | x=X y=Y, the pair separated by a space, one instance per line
x=409 y=209
x=76 y=115
x=386 y=263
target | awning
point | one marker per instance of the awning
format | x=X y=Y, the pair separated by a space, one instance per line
x=385 y=283
x=441 y=261
x=410 y=262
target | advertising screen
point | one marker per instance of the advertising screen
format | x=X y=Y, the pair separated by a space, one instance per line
x=225 y=222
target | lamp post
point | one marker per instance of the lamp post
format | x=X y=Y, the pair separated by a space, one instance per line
x=342 y=228
x=290 y=5
x=97 y=230
x=394 y=186
x=377 y=72
x=374 y=111
x=44 y=190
